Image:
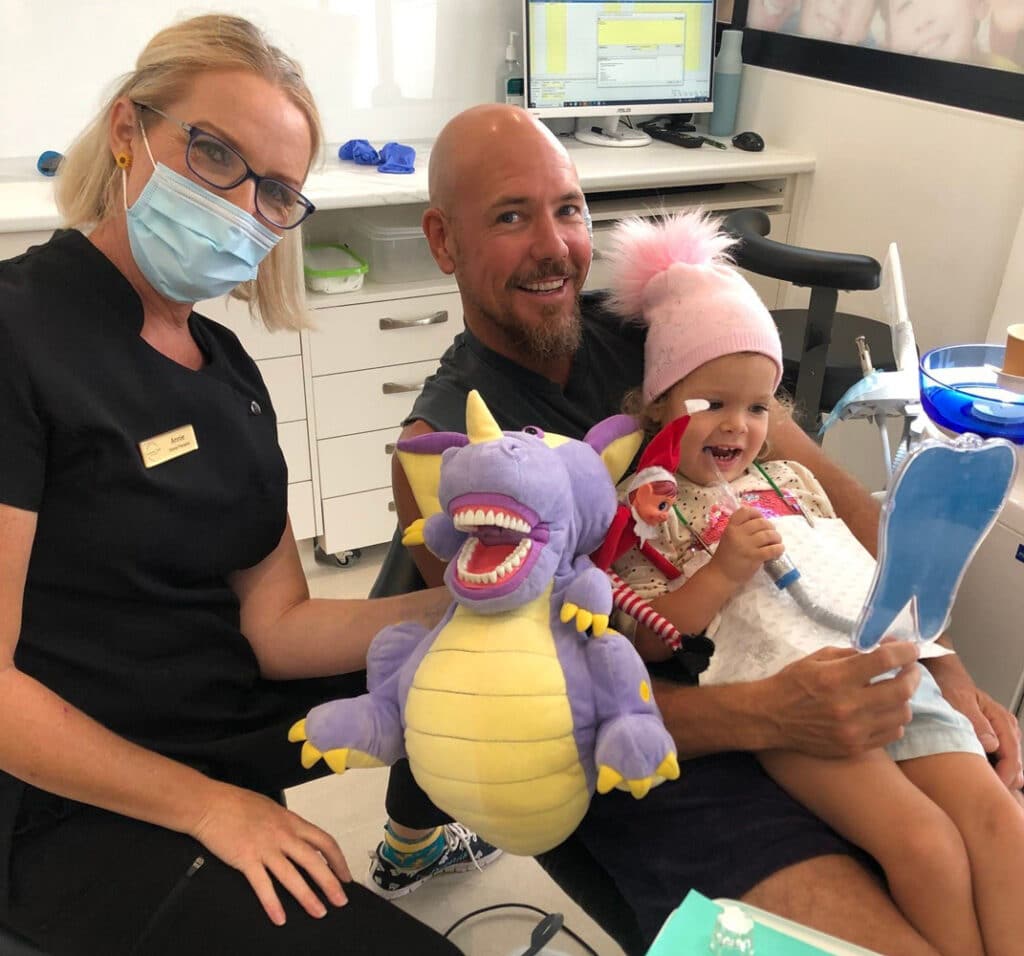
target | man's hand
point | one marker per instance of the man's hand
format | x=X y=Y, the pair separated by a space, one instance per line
x=261 y=839
x=749 y=540
x=826 y=704
x=996 y=727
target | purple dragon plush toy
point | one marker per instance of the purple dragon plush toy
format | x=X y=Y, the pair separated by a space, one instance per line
x=510 y=713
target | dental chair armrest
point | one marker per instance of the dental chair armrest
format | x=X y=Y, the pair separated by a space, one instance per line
x=804 y=267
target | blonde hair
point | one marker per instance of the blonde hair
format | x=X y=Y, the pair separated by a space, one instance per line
x=87 y=187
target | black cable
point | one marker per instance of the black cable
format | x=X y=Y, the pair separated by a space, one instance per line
x=524 y=906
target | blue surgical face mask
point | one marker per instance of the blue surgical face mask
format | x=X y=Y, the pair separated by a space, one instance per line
x=189 y=243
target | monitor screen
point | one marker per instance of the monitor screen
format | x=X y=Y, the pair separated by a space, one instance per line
x=611 y=59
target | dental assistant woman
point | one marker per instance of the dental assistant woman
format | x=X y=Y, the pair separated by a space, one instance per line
x=157 y=637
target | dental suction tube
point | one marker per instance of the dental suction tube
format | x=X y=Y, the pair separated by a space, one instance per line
x=785 y=574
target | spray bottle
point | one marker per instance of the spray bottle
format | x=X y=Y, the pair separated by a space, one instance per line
x=510 y=84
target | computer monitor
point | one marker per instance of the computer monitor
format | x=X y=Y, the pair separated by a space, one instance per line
x=599 y=61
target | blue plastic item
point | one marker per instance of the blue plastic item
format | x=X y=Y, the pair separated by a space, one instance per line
x=397 y=158
x=962 y=389
x=941 y=504
x=359 y=151
x=48 y=162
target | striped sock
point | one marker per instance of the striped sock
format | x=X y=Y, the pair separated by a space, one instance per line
x=415 y=854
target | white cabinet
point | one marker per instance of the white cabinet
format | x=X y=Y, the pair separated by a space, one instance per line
x=369 y=361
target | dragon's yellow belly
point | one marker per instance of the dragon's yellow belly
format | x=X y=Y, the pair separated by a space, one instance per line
x=489 y=729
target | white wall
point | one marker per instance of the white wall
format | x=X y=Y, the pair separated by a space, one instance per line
x=379 y=69
x=947 y=185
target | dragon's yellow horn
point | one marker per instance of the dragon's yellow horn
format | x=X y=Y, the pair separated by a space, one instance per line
x=480 y=424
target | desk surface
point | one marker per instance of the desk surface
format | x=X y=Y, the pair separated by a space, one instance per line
x=26 y=198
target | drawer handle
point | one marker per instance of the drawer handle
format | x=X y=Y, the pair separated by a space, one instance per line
x=392 y=506
x=437 y=318
x=395 y=388
x=389 y=448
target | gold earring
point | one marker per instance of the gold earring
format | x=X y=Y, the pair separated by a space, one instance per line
x=123 y=160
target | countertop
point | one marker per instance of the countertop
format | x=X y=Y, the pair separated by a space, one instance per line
x=26 y=197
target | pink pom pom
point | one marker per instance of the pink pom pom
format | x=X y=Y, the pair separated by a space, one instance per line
x=641 y=248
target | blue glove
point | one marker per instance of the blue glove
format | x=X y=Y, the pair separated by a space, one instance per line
x=360 y=151
x=396 y=158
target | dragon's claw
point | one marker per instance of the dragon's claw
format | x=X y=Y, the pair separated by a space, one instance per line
x=640 y=788
x=297 y=733
x=669 y=768
x=310 y=755
x=607 y=779
x=584 y=619
x=413 y=535
x=337 y=759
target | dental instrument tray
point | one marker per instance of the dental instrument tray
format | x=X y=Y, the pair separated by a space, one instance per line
x=332 y=267
x=964 y=389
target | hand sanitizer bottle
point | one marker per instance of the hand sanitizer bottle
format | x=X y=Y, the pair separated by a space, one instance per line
x=510 y=87
x=726 y=92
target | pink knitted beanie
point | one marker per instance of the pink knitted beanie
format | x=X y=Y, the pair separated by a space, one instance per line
x=675 y=276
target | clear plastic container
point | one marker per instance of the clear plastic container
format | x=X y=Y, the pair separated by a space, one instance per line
x=332 y=267
x=391 y=240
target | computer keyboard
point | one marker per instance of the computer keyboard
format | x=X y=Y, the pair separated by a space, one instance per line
x=675 y=137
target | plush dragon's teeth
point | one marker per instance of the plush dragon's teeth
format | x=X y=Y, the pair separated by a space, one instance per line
x=509 y=565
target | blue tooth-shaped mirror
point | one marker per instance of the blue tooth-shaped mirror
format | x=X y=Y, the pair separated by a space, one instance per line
x=940 y=506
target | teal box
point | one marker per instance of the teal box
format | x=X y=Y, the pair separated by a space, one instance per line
x=687 y=932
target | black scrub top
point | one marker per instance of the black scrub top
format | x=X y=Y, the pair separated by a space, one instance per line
x=127 y=611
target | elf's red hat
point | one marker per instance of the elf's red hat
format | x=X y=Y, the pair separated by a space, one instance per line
x=660 y=458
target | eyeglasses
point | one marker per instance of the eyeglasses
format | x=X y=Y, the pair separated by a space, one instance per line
x=219 y=165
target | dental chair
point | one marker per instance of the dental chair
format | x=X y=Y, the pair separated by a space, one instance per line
x=820 y=356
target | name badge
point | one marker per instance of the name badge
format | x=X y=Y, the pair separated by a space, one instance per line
x=173 y=444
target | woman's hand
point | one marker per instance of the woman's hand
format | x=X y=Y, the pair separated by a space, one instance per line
x=749 y=541
x=261 y=838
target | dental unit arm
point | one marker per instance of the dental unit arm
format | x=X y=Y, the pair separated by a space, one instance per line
x=881 y=395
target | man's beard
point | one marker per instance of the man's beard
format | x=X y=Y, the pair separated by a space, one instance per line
x=558 y=336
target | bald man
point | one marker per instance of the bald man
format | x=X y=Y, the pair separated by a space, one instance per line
x=508 y=219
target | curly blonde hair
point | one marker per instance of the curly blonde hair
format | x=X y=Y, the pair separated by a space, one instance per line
x=86 y=189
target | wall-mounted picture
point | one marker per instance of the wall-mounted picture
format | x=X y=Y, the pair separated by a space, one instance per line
x=987 y=33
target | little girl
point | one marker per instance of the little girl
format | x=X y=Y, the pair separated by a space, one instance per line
x=928 y=808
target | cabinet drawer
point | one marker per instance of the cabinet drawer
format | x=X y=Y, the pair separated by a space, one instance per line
x=253 y=335
x=283 y=378
x=357 y=521
x=350 y=337
x=356 y=462
x=367 y=401
x=294 y=441
x=300 y=509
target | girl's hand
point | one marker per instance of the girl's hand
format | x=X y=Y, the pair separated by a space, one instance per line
x=261 y=838
x=749 y=541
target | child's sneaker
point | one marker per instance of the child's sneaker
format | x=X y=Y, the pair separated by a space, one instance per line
x=462 y=850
